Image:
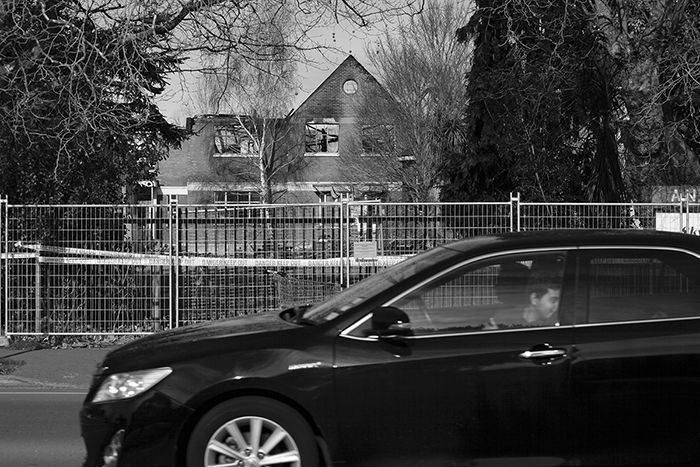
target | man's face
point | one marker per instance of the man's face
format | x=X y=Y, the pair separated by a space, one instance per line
x=547 y=304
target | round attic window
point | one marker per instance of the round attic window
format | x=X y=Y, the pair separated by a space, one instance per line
x=350 y=86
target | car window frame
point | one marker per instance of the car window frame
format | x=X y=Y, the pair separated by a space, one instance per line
x=569 y=288
x=586 y=252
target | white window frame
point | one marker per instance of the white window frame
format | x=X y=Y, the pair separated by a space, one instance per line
x=227 y=193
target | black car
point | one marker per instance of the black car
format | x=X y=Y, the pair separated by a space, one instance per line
x=527 y=349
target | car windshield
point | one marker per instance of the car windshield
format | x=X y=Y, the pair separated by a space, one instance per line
x=373 y=285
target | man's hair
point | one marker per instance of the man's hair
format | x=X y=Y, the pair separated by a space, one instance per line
x=541 y=288
x=540 y=284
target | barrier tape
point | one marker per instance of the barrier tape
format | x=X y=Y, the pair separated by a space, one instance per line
x=14 y=255
x=118 y=258
x=83 y=251
x=163 y=261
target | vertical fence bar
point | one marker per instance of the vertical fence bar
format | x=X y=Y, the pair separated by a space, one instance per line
x=515 y=212
x=340 y=233
x=169 y=294
x=37 y=292
x=4 y=268
x=346 y=206
x=157 y=278
x=175 y=259
x=171 y=310
x=693 y=215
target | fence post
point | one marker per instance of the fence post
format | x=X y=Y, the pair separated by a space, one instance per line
x=153 y=218
x=171 y=279
x=346 y=253
x=37 y=292
x=342 y=244
x=515 y=212
x=685 y=214
x=174 y=256
x=4 y=272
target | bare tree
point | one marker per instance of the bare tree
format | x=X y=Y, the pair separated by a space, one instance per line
x=257 y=93
x=423 y=67
x=222 y=27
x=78 y=80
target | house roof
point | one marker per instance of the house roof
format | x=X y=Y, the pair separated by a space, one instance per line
x=350 y=61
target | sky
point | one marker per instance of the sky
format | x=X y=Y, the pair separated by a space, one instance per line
x=341 y=41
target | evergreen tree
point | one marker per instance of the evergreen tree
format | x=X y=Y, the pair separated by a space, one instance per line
x=572 y=100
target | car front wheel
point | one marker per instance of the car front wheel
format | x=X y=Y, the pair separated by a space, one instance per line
x=252 y=432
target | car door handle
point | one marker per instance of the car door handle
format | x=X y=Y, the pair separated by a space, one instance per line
x=540 y=354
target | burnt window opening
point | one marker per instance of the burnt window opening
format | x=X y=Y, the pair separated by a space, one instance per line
x=232 y=141
x=321 y=137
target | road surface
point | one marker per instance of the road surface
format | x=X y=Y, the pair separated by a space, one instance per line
x=40 y=429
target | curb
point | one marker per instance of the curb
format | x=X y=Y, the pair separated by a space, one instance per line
x=21 y=383
x=49 y=369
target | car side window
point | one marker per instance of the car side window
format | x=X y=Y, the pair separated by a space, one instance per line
x=510 y=291
x=637 y=285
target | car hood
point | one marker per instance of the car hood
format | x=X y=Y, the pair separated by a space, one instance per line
x=193 y=340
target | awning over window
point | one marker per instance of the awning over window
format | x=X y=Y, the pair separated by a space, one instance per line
x=334 y=190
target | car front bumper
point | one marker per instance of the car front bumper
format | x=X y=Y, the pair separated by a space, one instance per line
x=152 y=425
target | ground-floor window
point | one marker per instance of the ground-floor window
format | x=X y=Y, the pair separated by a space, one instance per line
x=237 y=197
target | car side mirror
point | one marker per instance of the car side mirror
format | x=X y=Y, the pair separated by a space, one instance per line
x=389 y=322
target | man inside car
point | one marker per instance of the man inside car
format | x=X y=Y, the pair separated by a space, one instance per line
x=541 y=310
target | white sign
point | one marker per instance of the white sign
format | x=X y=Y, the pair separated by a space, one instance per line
x=671 y=222
x=365 y=250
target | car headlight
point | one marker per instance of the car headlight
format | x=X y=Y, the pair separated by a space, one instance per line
x=126 y=385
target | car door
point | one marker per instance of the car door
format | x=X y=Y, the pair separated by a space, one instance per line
x=636 y=376
x=458 y=391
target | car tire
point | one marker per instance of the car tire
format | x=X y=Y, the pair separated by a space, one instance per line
x=243 y=429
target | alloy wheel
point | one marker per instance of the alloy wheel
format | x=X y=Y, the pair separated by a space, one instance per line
x=251 y=442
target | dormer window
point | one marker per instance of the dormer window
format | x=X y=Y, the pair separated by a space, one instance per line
x=321 y=137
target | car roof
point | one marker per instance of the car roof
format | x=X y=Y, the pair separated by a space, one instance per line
x=575 y=237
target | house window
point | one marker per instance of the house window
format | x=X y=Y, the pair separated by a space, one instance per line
x=236 y=197
x=321 y=138
x=230 y=142
x=247 y=147
x=350 y=86
x=378 y=139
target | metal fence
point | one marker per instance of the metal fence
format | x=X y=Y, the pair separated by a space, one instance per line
x=134 y=269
